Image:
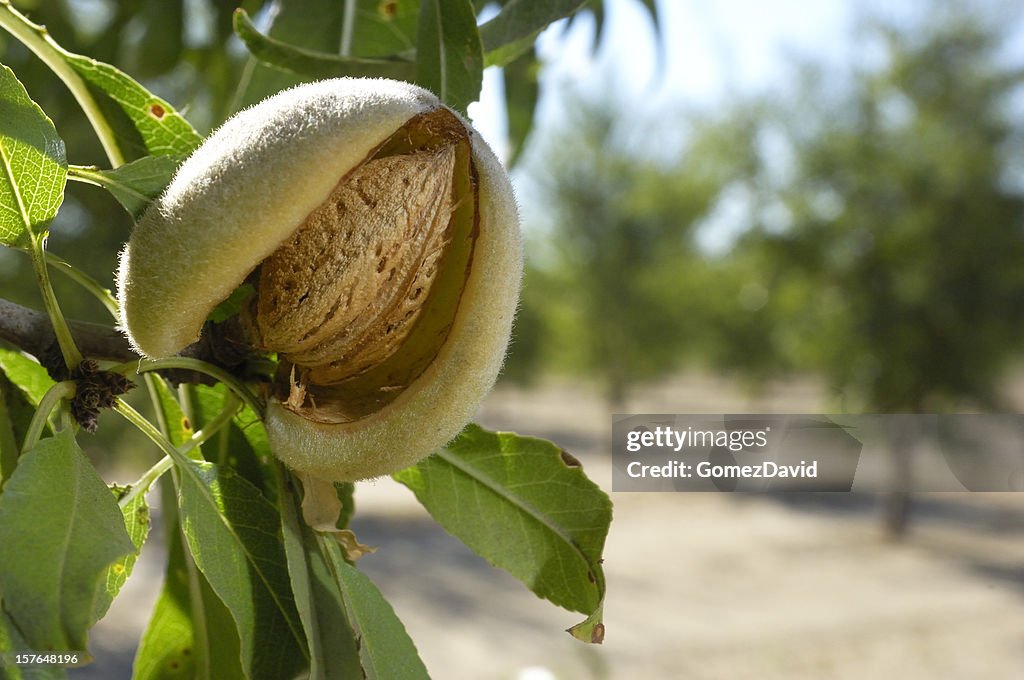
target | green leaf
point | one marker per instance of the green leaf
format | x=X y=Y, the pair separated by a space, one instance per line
x=449 y=56
x=222 y=645
x=172 y=419
x=232 y=445
x=314 y=24
x=591 y=629
x=143 y=124
x=233 y=304
x=33 y=167
x=130 y=121
x=31 y=378
x=521 y=93
x=381 y=28
x=23 y=382
x=10 y=441
x=333 y=651
x=524 y=505
x=251 y=427
x=15 y=415
x=167 y=649
x=12 y=641
x=358 y=32
x=191 y=634
x=385 y=648
x=136 y=522
x=60 y=529
x=241 y=444
x=347 y=495
x=514 y=28
x=233 y=533
x=506 y=54
x=134 y=184
x=313 y=64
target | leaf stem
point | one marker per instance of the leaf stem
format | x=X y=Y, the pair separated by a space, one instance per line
x=37 y=39
x=200 y=366
x=197 y=439
x=62 y=390
x=90 y=174
x=348 y=24
x=154 y=398
x=87 y=174
x=139 y=421
x=68 y=348
x=90 y=284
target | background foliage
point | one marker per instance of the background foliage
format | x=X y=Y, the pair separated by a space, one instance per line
x=878 y=223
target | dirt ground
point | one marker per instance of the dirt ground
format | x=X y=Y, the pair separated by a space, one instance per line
x=700 y=585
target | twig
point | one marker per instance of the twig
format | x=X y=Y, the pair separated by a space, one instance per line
x=31 y=331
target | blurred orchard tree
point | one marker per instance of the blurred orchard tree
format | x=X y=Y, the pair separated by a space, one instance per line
x=904 y=221
x=619 y=247
x=903 y=212
x=881 y=236
x=882 y=229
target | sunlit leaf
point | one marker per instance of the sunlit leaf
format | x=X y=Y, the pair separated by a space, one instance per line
x=190 y=633
x=33 y=167
x=143 y=123
x=381 y=28
x=591 y=629
x=313 y=24
x=233 y=533
x=521 y=93
x=134 y=184
x=136 y=522
x=241 y=444
x=385 y=649
x=51 y=576
x=31 y=378
x=449 y=56
x=333 y=651
x=23 y=382
x=524 y=505
x=130 y=120
x=511 y=32
x=313 y=64
x=15 y=415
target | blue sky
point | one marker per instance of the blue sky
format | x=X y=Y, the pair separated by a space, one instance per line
x=711 y=51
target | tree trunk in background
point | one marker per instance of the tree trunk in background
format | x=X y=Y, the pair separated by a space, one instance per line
x=896 y=503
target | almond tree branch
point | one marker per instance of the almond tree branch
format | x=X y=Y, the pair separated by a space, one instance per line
x=30 y=330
